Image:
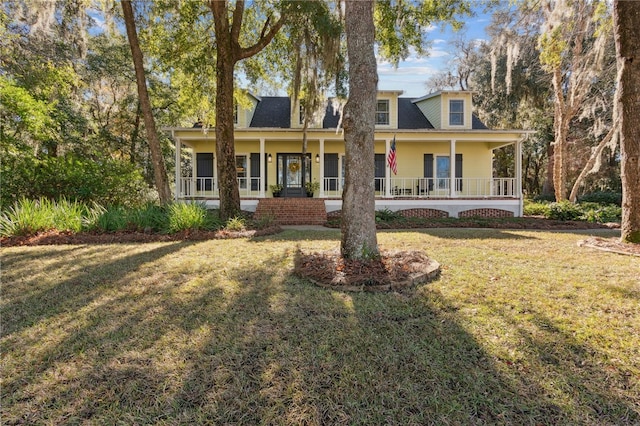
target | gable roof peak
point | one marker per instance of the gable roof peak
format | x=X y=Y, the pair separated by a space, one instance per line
x=444 y=92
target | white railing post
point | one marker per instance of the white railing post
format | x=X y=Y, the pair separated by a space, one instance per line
x=262 y=169
x=321 y=180
x=387 y=169
x=452 y=168
x=178 y=188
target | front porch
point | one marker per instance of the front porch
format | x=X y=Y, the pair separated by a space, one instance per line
x=452 y=176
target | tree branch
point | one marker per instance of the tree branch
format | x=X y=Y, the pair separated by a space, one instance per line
x=264 y=40
x=236 y=26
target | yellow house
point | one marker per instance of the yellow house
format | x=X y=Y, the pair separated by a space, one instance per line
x=443 y=153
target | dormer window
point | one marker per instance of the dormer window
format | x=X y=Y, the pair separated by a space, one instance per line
x=382 y=112
x=456 y=112
x=235 y=113
x=301 y=113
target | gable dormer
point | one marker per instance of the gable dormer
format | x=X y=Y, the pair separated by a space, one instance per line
x=298 y=113
x=244 y=109
x=387 y=109
x=448 y=110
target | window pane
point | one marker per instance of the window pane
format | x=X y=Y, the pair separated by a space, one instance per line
x=456 y=113
x=382 y=112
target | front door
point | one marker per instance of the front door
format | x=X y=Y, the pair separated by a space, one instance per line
x=293 y=171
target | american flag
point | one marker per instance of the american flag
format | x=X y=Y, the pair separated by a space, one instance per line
x=391 y=159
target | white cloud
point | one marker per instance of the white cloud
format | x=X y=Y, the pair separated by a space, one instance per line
x=406 y=71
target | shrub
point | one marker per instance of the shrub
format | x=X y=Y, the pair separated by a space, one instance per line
x=184 y=216
x=27 y=217
x=148 y=218
x=112 y=219
x=602 y=197
x=386 y=215
x=264 y=222
x=533 y=208
x=109 y=182
x=236 y=224
x=594 y=212
x=564 y=210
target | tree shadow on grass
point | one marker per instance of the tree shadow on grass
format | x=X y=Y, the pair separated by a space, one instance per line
x=243 y=341
x=296 y=354
x=468 y=234
x=301 y=235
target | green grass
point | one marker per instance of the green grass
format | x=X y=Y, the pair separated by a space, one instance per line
x=522 y=327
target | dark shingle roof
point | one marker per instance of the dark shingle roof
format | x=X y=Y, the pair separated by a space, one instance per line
x=476 y=124
x=275 y=112
x=272 y=111
x=410 y=116
x=331 y=117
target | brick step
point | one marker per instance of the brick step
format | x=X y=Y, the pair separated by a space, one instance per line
x=292 y=211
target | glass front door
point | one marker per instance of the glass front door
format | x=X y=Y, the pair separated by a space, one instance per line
x=293 y=171
x=443 y=172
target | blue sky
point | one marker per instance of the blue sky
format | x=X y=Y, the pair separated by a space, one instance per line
x=412 y=74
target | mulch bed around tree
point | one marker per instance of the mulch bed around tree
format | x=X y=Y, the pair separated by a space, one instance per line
x=613 y=245
x=392 y=271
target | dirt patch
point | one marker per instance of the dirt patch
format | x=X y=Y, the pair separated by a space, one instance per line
x=392 y=271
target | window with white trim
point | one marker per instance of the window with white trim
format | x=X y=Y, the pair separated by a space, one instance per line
x=456 y=112
x=382 y=112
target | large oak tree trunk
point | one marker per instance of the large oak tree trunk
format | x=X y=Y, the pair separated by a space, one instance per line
x=627 y=33
x=229 y=52
x=225 y=144
x=359 y=239
x=159 y=169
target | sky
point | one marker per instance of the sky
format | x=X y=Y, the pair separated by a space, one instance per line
x=411 y=75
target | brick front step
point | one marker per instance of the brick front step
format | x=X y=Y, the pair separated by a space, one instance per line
x=292 y=211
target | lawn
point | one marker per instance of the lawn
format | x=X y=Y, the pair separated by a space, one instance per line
x=522 y=327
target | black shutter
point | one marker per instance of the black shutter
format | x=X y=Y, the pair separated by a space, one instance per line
x=380 y=170
x=458 y=172
x=428 y=170
x=331 y=171
x=204 y=169
x=254 y=168
x=266 y=172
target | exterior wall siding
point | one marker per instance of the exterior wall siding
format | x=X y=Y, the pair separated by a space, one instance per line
x=431 y=109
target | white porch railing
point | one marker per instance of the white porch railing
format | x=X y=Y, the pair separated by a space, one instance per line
x=433 y=187
x=398 y=187
x=208 y=187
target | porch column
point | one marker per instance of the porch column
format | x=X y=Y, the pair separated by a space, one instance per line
x=452 y=168
x=387 y=169
x=263 y=175
x=518 y=189
x=321 y=179
x=178 y=165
